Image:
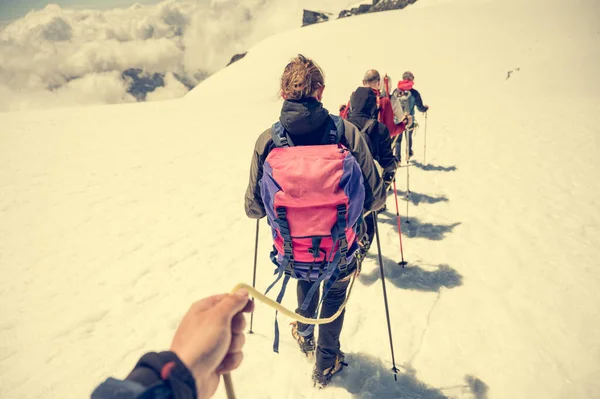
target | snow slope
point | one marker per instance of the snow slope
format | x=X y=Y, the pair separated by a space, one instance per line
x=115 y=218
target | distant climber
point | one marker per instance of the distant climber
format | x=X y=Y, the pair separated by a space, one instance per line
x=404 y=100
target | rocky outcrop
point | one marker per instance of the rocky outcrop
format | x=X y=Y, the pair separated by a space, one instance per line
x=377 y=5
x=237 y=57
x=385 y=5
x=313 y=17
x=362 y=9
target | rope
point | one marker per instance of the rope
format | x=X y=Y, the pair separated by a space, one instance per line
x=293 y=315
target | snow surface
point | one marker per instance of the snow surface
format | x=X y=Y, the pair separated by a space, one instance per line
x=113 y=219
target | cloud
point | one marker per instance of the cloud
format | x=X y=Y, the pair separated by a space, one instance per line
x=173 y=88
x=93 y=88
x=55 y=56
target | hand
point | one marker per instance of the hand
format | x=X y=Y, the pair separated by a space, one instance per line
x=210 y=338
x=426 y=108
x=388 y=177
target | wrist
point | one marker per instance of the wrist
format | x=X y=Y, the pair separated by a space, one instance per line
x=166 y=368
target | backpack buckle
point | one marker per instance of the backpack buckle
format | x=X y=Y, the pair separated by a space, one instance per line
x=343 y=265
x=289 y=269
x=342 y=209
x=343 y=247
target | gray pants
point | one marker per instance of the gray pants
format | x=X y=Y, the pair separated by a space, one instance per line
x=328 y=343
x=398 y=142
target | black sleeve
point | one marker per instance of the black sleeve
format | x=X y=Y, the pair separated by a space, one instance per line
x=166 y=368
x=386 y=156
x=418 y=101
x=253 y=203
x=374 y=190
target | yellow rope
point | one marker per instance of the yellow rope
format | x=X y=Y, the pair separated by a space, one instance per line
x=273 y=304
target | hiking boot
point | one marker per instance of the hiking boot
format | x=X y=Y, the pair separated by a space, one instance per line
x=306 y=344
x=322 y=378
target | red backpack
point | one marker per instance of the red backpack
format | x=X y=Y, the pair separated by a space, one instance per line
x=314 y=197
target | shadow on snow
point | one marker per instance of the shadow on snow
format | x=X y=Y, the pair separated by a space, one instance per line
x=413 y=277
x=367 y=377
x=413 y=228
x=417 y=198
x=430 y=167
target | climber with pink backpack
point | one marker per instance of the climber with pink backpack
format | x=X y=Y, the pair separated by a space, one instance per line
x=312 y=175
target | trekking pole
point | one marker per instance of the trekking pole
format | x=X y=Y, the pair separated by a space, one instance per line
x=385 y=301
x=254 y=273
x=408 y=138
x=425 y=141
x=403 y=262
x=394 y=144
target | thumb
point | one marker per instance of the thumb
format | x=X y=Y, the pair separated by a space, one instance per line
x=233 y=304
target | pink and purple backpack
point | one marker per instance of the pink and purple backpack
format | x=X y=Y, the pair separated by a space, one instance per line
x=314 y=197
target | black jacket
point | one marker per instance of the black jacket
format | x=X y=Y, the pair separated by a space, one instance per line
x=156 y=375
x=363 y=107
x=418 y=102
x=306 y=122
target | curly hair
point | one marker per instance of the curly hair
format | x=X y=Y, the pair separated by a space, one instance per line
x=301 y=78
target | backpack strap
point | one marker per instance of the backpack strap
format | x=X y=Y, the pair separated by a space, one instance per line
x=339 y=127
x=339 y=263
x=286 y=267
x=336 y=266
x=315 y=250
x=287 y=264
x=336 y=130
x=367 y=127
x=286 y=280
x=280 y=137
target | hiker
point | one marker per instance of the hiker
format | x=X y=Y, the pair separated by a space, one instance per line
x=312 y=174
x=372 y=80
x=404 y=100
x=207 y=344
x=385 y=115
x=363 y=105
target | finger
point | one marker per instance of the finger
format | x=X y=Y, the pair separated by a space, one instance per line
x=231 y=362
x=230 y=305
x=238 y=323
x=207 y=303
x=249 y=307
x=237 y=343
